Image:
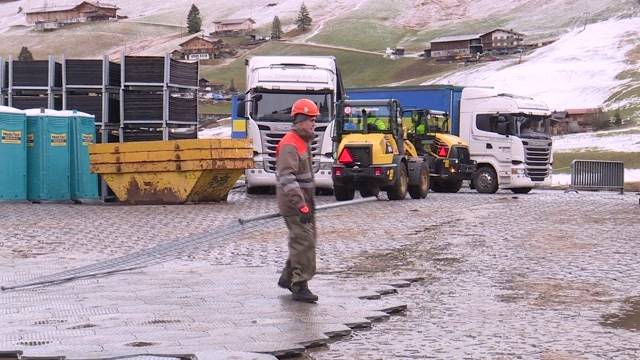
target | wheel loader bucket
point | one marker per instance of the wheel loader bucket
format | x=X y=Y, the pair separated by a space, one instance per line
x=172 y=172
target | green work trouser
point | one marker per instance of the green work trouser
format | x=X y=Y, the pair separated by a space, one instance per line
x=301 y=264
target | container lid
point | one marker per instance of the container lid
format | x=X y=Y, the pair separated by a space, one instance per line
x=74 y=113
x=6 y=109
x=44 y=112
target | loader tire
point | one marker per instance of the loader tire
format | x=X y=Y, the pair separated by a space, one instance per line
x=343 y=192
x=421 y=189
x=398 y=190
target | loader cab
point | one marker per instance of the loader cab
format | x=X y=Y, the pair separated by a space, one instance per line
x=422 y=126
x=368 y=117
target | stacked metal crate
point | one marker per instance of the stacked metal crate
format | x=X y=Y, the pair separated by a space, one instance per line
x=158 y=99
x=34 y=84
x=92 y=87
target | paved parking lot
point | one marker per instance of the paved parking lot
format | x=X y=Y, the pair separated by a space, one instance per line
x=543 y=275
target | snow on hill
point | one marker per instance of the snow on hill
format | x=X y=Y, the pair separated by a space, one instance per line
x=577 y=71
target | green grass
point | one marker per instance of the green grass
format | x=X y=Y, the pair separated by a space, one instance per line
x=562 y=160
x=215 y=108
x=362 y=34
x=81 y=40
x=358 y=69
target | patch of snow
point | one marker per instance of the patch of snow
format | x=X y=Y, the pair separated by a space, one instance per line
x=577 y=71
x=620 y=142
x=218 y=132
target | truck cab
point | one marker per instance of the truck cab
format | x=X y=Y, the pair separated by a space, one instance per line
x=508 y=137
x=274 y=83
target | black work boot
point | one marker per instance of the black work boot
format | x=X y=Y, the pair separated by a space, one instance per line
x=285 y=281
x=302 y=293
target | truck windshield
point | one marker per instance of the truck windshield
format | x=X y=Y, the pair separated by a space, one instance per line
x=532 y=127
x=369 y=118
x=276 y=106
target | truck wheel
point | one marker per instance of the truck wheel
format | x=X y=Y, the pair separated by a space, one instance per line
x=438 y=186
x=343 y=192
x=421 y=189
x=368 y=192
x=486 y=180
x=454 y=186
x=255 y=190
x=398 y=190
x=521 y=190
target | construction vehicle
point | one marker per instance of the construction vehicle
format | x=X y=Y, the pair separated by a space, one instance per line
x=448 y=155
x=373 y=154
x=508 y=135
x=274 y=83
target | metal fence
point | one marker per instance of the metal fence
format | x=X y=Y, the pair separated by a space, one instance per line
x=597 y=175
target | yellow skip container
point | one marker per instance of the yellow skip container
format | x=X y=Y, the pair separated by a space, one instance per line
x=172 y=172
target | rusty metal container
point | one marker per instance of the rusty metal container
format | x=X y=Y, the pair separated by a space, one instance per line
x=172 y=172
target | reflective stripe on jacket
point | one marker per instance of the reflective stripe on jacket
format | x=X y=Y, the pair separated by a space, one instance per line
x=294 y=174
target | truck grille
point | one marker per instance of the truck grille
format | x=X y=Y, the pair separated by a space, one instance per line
x=537 y=159
x=270 y=140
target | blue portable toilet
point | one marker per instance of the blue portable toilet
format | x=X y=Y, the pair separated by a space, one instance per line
x=13 y=154
x=48 y=159
x=82 y=132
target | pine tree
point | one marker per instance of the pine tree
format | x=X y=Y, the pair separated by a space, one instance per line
x=303 y=21
x=25 y=54
x=617 y=118
x=276 y=28
x=194 y=21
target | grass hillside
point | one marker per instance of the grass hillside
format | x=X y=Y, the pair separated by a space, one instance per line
x=88 y=40
x=358 y=69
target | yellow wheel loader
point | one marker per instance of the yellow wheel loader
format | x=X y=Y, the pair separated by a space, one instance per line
x=449 y=158
x=372 y=153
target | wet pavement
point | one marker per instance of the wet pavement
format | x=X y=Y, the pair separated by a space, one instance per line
x=544 y=275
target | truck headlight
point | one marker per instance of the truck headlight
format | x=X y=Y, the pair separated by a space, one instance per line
x=326 y=166
x=517 y=171
x=258 y=165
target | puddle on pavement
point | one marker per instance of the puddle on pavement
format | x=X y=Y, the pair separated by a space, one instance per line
x=627 y=318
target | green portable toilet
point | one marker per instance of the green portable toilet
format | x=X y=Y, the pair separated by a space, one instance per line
x=48 y=160
x=82 y=132
x=13 y=154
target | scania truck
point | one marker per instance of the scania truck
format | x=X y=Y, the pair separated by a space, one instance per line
x=508 y=135
x=274 y=83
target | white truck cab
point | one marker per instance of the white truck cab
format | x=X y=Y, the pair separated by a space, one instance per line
x=508 y=137
x=274 y=83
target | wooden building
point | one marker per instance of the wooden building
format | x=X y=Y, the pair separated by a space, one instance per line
x=201 y=48
x=243 y=26
x=501 y=40
x=572 y=121
x=55 y=17
x=458 y=46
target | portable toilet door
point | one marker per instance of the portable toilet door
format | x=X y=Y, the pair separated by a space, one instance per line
x=13 y=154
x=82 y=132
x=48 y=159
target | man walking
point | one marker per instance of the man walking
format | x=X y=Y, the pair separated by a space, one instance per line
x=294 y=192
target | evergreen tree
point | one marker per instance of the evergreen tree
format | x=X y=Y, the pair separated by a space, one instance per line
x=194 y=21
x=276 y=28
x=617 y=118
x=303 y=21
x=25 y=54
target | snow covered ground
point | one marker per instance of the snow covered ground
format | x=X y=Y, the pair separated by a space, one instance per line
x=616 y=140
x=577 y=71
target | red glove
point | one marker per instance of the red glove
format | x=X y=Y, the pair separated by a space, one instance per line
x=305 y=214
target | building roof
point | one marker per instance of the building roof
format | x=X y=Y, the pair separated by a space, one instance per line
x=233 y=21
x=208 y=39
x=505 y=30
x=71 y=7
x=583 y=111
x=455 y=38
